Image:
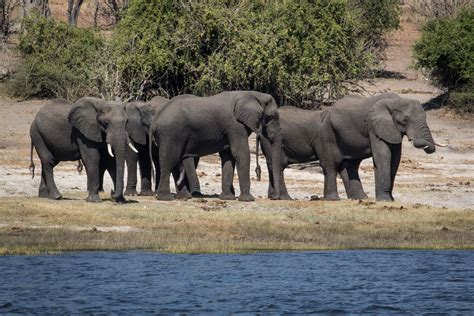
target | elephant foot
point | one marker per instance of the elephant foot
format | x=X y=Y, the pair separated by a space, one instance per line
x=183 y=195
x=93 y=198
x=164 y=196
x=246 y=198
x=332 y=197
x=358 y=196
x=384 y=197
x=43 y=194
x=56 y=196
x=199 y=195
x=119 y=200
x=226 y=196
x=281 y=197
x=131 y=192
x=148 y=192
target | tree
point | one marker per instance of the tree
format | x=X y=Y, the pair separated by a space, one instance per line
x=41 y=6
x=7 y=8
x=73 y=10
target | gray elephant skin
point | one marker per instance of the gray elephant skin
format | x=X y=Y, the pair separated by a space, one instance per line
x=90 y=129
x=140 y=115
x=358 y=128
x=300 y=131
x=190 y=127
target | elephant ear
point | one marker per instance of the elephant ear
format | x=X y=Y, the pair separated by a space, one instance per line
x=379 y=119
x=248 y=111
x=135 y=128
x=83 y=116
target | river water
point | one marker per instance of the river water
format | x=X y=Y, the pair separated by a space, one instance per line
x=330 y=282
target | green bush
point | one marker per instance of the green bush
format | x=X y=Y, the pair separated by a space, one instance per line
x=375 y=19
x=58 y=60
x=446 y=50
x=299 y=51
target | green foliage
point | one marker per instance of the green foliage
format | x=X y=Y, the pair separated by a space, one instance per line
x=375 y=19
x=58 y=59
x=446 y=49
x=299 y=51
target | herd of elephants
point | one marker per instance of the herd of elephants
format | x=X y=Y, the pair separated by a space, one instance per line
x=168 y=136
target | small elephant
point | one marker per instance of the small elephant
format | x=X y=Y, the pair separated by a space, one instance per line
x=91 y=129
x=300 y=131
x=358 y=128
x=190 y=127
x=139 y=118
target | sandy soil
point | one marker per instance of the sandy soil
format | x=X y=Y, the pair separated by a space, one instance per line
x=445 y=178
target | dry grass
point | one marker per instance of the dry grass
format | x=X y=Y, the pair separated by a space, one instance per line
x=32 y=225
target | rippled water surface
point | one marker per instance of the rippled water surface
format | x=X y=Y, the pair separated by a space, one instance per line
x=378 y=282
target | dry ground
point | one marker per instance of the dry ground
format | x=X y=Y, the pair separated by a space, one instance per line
x=434 y=193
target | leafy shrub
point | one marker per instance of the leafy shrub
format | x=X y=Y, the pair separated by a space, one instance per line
x=445 y=50
x=58 y=60
x=375 y=19
x=299 y=51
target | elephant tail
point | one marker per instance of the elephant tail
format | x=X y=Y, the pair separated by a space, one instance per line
x=32 y=164
x=258 y=170
x=80 y=166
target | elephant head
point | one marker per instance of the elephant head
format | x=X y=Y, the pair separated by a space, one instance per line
x=259 y=112
x=392 y=118
x=104 y=121
x=140 y=115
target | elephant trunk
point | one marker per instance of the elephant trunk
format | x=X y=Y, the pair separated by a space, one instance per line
x=119 y=145
x=423 y=138
x=276 y=164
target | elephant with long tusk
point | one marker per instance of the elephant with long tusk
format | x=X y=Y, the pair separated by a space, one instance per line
x=90 y=129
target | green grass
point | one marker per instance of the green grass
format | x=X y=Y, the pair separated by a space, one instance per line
x=32 y=226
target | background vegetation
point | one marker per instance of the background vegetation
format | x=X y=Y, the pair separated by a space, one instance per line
x=445 y=50
x=299 y=51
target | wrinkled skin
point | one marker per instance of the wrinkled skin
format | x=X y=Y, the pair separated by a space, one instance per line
x=191 y=127
x=359 y=128
x=300 y=131
x=65 y=131
x=140 y=115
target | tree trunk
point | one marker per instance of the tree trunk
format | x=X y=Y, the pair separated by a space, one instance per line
x=73 y=10
x=42 y=6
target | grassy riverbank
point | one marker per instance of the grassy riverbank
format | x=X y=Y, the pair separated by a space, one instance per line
x=32 y=225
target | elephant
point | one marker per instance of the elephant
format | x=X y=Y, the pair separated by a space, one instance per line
x=358 y=128
x=92 y=130
x=139 y=119
x=190 y=127
x=300 y=131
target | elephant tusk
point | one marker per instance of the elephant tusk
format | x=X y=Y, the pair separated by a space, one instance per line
x=426 y=147
x=441 y=145
x=109 y=149
x=132 y=148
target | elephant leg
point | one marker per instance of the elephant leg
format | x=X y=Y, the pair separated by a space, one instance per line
x=102 y=170
x=131 y=159
x=330 y=184
x=395 y=163
x=189 y=165
x=228 y=167
x=43 y=189
x=47 y=187
x=181 y=183
x=169 y=158
x=241 y=152
x=350 y=176
x=144 y=163
x=53 y=192
x=283 y=191
x=92 y=162
x=382 y=169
